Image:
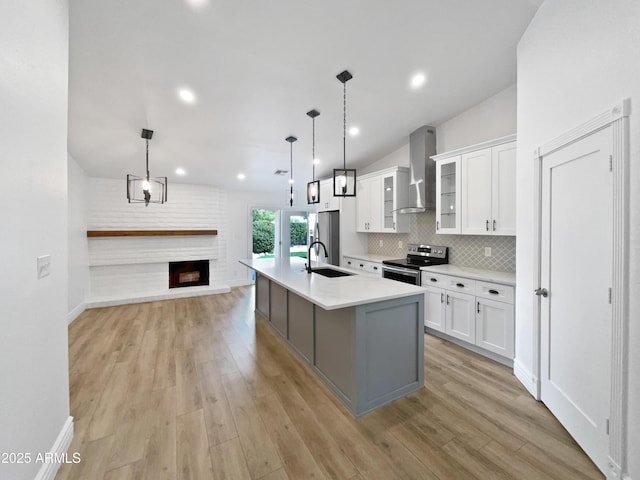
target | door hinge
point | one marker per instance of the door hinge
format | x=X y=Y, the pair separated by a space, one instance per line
x=607 y=426
x=609 y=296
x=611 y=163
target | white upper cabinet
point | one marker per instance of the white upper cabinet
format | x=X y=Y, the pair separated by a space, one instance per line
x=378 y=196
x=483 y=202
x=327 y=201
x=503 y=189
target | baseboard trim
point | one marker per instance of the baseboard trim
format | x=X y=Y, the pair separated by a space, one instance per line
x=76 y=312
x=150 y=297
x=474 y=348
x=60 y=446
x=240 y=283
x=526 y=378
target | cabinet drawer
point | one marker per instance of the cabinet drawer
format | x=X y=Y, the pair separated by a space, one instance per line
x=459 y=284
x=433 y=280
x=495 y=291
x=349 y=262
x=374 y=267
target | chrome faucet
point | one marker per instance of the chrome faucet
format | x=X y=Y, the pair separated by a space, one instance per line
x=326 y=255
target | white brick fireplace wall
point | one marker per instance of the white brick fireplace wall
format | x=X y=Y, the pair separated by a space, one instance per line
x=133 y=269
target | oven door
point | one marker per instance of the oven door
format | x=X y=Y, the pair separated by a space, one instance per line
x=405 y=275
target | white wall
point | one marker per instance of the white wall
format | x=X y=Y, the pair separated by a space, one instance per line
x=77 y=221
x=493 y=118
x=399 y=158
x=577 y=59
x=240 y=204
x=34 y=391
x=123 y=269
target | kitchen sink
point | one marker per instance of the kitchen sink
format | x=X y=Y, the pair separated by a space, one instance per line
x=330 y=272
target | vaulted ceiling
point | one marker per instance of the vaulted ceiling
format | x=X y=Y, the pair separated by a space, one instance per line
x=256 y=67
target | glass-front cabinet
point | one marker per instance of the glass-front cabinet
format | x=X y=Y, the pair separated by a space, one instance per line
x=388 y=189
x=448 y=195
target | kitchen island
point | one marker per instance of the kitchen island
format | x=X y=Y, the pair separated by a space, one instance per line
x=360 y=334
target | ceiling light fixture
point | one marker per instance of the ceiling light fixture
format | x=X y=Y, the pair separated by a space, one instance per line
x=418 y=80
x=146 y=189
x=186 y=95
x=180 y=171
x=344 y=179
x=313 y=187
x=354 y=131
x=291 y=139
x=241 y=176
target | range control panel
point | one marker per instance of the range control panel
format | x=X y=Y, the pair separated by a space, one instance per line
x=427 y=250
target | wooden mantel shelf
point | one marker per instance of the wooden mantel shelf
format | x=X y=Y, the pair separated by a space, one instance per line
x=147 y=233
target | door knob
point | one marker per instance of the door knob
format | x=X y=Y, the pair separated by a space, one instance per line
x=541 y=292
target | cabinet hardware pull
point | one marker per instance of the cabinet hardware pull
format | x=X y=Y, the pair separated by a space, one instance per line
x=487 y=225
x=461 y=285
x=478 y=307
x=494 y=292
x=434 y=279
x=348 y=263
x=442 y=298
x=494 y=225
x=447 y=299
x=361 y=265
x=375 y=268
x=438 y=225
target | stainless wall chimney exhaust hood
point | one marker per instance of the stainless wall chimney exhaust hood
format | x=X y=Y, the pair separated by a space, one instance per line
x=422 y=188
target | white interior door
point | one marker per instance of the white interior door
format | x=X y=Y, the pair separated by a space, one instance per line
x=576 y=270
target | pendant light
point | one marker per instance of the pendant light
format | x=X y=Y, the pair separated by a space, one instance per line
x=313 y=187
x=146 y=189
x=344 y=179
x=291 y=139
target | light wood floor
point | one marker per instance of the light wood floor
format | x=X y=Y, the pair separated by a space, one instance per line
x=197 y=389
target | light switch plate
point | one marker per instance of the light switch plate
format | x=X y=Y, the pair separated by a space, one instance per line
x=44 y=266
x=487 y=251
x=399 y=243
x=382 y=243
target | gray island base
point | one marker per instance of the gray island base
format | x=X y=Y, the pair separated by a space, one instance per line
x=367 y=354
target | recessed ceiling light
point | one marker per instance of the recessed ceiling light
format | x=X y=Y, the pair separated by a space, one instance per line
x=180 y=171
x=186 y=95
x=291 y=180
x=418 y=80
x=197 y=3
x=241 y=176
x=353 y=131
x=316 y=161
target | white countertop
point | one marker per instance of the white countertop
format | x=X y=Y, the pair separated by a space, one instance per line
x=506 y=278
x=330 y=293
x=370 y=257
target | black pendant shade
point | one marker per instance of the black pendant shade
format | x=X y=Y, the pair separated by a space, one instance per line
x=313 y=187
x=344 y=179
x=146 y=189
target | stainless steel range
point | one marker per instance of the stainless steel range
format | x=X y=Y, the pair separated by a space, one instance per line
x=407 y=269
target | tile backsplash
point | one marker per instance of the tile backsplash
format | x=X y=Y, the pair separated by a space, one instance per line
x=464 y=250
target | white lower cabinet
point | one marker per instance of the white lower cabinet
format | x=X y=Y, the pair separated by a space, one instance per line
x=460 y=318
x=476 y=312
x=434 y=308
x=362 y=265
x=495 y=327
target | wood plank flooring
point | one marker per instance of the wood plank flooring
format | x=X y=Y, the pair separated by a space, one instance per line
x=198 y=389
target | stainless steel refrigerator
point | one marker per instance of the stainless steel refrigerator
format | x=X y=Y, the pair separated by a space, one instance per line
x=327 y=230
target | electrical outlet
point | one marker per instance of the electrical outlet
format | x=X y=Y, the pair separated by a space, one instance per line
x=399 y=243
x=44 y=266
x=487 y=251
x=382 y=243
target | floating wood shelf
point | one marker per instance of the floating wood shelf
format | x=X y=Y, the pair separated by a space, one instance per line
x=147 y=233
